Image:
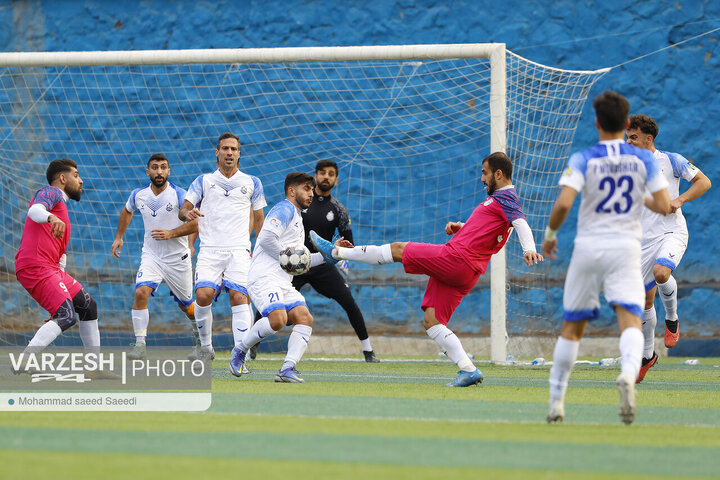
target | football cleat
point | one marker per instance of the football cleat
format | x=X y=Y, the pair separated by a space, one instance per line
x=671 y=339
x=289 y=375
x=324 y=247
x=370 y=357
x=556 y=413
x=647 y=364
x=138 y=352
x=252 y=353
x=237 y=362
x=465 y=379
x=626 y=387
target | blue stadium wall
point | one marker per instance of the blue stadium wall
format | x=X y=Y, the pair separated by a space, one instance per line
x=678 y=86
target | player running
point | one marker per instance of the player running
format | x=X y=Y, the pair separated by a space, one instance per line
x=223 y=202
x=40 y=261
x=454 y=268
x=612 y=177
x=270 y=287
x=162 y=260
x=665 y=238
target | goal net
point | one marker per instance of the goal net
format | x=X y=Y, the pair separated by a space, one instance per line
x=408 y=127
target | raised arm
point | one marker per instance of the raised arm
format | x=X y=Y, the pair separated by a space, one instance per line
x=700 y=184
x=123 y=223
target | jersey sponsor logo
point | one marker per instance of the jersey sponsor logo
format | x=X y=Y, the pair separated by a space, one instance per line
x=330 y=216
x=488 y=202
x=568 y=171
x=275 y=222
x=499 y=238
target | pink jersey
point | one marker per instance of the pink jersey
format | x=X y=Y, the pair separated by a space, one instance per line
x=487 y=229
x=38 y=247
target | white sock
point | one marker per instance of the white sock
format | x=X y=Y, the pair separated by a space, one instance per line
x=371 y=254
x=566 y=352
x=241 y=321
x=45 y=335
x=204 y=321
x=450 y=344
x=140 y=320
x=366 y=345
x=649 y=322
x=668 y=295
x=297 y=344
x=257 y=332
x=90 y=335
x=631 y=347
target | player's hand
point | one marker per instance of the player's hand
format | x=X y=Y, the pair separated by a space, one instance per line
x=116 y=247
x=160 y=234
x=452 y=227
x=344 y=267
x=193 y=214
x=341 y=242
x=549 y=247
x=675 y=204
x=532 y=258
x=57 y=226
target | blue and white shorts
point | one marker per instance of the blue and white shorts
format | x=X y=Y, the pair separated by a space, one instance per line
x=269 y=293
x=666 y=250
x=600 y=266
x=178 y=275
x=217 y=268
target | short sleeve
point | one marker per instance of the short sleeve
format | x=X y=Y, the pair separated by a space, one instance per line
x=195 y=193
x=48 y=197
x=130 y=204
x=682 y=168
x=574 y=174
x=258 y=197
x=279 y=217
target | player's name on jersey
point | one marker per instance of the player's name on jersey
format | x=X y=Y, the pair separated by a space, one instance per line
x=622 y=167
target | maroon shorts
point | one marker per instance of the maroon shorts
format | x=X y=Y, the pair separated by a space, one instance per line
x=49 y=286
x=450 y=277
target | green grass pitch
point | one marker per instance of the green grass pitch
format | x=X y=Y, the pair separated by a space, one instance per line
x=353 y=420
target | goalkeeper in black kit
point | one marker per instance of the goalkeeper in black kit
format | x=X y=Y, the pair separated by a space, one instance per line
x=325 y=215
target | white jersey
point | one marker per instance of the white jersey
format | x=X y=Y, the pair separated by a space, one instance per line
x=612 y=177
x=160 y=212
x=227 y=204
x=285 y=221
x=673 y=167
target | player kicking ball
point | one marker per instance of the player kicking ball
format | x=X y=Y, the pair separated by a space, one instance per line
x=454 y=268
x=270 y=287
x=40 y=261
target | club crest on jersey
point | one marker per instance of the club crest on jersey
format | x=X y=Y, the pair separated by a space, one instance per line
x=243 y=190
x=488 y=202
x=169 y=207
x=330 y=216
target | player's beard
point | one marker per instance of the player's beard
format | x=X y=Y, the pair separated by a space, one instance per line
x=74 y=194
x=159 y=181
x=325 y=187
x=491 y=186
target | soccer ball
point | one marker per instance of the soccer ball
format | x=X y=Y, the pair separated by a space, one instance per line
x=295 y=260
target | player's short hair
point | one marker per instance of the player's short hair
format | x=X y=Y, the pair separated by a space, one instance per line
x=227 y=135
x=158 y=157
x=611 y=110
x=324 y=164
x=499 y=161
x=298 y=178
x=56 y=167
x=645 y=123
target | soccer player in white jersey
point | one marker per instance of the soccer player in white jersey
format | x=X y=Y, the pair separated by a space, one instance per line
x=223 y=202
x=168 y=261
x=612 y=177
x=665 y=238
x=271 y=288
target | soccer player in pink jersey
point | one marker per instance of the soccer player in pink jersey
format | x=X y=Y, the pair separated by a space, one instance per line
x=454 y=268
x=40 y=262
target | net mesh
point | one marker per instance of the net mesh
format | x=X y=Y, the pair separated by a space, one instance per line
x=408 y=136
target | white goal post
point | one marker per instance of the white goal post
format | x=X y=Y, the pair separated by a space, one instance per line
x=434 y=104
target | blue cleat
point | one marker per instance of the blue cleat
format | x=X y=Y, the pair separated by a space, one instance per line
x=324 y=247
x=237 y=362
x=289 y=375
x=465 y=379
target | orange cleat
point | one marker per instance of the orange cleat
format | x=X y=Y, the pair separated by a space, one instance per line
x=671 y=339
x=647 y=364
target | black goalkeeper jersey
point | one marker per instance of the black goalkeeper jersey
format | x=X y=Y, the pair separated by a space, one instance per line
x=325 y=215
